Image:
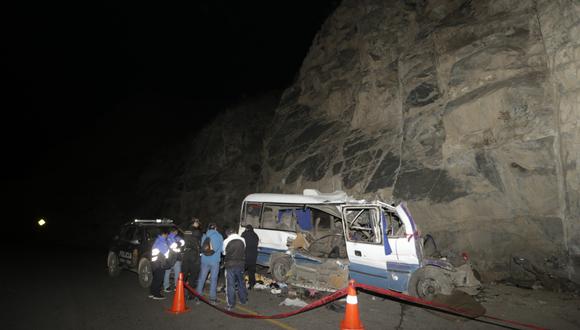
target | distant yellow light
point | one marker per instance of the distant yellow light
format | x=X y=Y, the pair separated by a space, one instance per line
x=41 y=222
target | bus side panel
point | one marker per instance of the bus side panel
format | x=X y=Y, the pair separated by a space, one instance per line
x=264 y=255
x=399 y=275
x=368 y=275
x=271 y=241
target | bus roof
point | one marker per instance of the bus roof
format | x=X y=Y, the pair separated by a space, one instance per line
x=309 y=196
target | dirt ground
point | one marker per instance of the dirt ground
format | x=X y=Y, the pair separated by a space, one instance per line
x=64 y=290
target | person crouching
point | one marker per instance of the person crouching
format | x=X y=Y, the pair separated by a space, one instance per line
x=234 y=251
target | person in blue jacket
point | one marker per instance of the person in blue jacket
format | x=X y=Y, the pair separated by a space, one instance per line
x=176 y=244
x=159 y=255
x=210 y=262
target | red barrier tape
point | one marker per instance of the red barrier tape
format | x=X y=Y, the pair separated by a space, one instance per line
x=336 y=295
x=341 y=293
x=443 y=307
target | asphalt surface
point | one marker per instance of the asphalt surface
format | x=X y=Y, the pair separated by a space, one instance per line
x=55 y=289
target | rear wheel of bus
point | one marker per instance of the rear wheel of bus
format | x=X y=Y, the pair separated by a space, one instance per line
x=280 y=267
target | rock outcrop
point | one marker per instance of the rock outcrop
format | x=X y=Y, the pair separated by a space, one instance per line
x=467 y=110
x=221 y=166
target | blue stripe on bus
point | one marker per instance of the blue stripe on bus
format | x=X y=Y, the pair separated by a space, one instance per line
x=264 y=254
x=396 y=277
x=388 y=249
x=369 y=275
x=401 y=268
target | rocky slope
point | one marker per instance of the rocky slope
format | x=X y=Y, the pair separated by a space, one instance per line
x=217 y=170
x=467 y=110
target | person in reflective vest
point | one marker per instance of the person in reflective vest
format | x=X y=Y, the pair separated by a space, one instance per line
x=159 y=255
x=176 y=244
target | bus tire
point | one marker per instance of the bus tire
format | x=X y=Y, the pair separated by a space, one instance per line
x=280 y=268
x=428 y=282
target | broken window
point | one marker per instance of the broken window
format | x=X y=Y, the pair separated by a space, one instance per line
x=323 y=224
x=362 y=225
x=287 y=218
x=252 y=214
x=394 y=225
x=329 y=246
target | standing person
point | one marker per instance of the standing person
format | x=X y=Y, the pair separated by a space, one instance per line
x=252 y=240
x=176 y=244
x=159 y=255
x=210 y=261
x=191 y=253
x=234 y=252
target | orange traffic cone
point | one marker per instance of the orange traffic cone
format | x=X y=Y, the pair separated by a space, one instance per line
x=179 y=298
x=351 y=319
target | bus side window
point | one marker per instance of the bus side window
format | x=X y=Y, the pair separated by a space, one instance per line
x=252 y=214
x=396 y=227
x=268 y=219
x=287 y=220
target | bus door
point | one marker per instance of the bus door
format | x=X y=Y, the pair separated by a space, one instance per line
x=367 y=245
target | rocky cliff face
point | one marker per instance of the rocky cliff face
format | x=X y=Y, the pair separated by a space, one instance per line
x=218 y=169
x=467 y=110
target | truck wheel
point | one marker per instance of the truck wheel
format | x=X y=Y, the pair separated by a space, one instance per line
x=113 y=264
x=145 y=273
x=280 y=268
x=427 y=282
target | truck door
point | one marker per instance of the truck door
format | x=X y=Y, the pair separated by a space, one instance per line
x=407 y=243
x=367 y=245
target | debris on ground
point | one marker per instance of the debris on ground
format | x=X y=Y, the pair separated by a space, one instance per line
x=526 y=274
x=293 y=302
x=263 y=279
x=260 y=286
x=336 y=307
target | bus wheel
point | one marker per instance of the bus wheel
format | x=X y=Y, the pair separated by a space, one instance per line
x=280 y=268
x=428 y=282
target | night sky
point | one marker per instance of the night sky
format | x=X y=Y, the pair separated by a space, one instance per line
x=90 y=89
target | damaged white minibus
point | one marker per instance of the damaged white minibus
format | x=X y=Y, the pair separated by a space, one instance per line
x=320 y=241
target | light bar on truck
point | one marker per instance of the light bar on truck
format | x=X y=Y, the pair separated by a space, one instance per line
x=164 y=220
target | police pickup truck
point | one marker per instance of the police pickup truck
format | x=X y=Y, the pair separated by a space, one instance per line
x=131 y=248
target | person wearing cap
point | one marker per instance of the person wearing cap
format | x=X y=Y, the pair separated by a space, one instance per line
x=252 y=240
x=210 y=262
x=191 y=253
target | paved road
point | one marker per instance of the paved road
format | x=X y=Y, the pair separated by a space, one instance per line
x=54 y=291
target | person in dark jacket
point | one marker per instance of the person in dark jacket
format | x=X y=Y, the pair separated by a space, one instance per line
x=159 y=255
x=252 y=240
x=191 y=253
x=234 y=251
